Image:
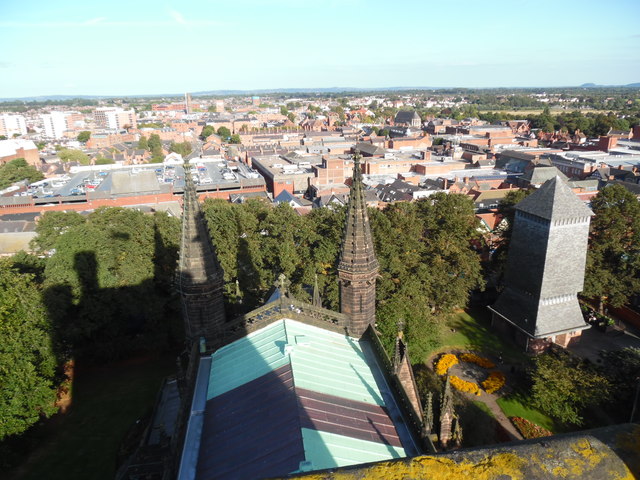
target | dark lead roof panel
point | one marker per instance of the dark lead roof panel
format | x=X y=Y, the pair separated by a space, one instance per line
x=252 y=431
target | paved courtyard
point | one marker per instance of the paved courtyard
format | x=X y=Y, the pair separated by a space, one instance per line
x=593 y=341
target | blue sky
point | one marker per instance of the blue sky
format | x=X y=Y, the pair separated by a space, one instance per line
x=150 y=47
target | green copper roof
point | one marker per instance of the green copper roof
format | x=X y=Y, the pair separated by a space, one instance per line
x=290 y=397
x=328 y=450
x=330 y=363
x=311 y=351
x=247 y=359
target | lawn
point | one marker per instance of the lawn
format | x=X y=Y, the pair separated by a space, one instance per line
x=483 y=406
x=471 y=330
x=107 y=401
x=513 y=406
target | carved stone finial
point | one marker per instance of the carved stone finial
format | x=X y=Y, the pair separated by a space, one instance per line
x=283 y=284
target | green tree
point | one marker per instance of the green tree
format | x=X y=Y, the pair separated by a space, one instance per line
x=51 y=226
x=225 y=133
x=207 y=131
x=622 y=368
x=143 y=143
x=84 y=136
x=451 y=230
x=27 y=360
x=103 y=161
x=155 y=144
x=106 y=284
x=17 y=170
x=71 y=155
x=183 y=148
x=613 y=258
x=212 y=109
x=564 y=386
x=235 y=139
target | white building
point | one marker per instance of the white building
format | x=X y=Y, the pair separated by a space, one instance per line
x=57 y=123
x=11 y=124
x=115 y=118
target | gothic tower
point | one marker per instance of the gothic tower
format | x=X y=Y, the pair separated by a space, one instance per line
x=545 y=269
x=358 y=267
x=200 y=277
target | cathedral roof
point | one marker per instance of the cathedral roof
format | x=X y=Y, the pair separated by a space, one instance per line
x=292 y=397
x=554 y=200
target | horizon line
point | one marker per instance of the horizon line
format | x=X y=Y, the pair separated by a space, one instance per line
x=231 y=91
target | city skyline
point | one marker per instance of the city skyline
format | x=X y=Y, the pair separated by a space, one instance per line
x=143 y=48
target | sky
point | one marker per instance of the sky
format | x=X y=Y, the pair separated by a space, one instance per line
x=135 y=47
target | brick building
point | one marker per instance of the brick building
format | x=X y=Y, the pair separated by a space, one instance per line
x=12 y=149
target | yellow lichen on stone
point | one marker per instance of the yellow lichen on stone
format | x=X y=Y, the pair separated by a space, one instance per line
x=584 y=448
x=560 y=472
x=500 y=465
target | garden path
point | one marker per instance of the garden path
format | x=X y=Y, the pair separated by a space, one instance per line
x=490 y=401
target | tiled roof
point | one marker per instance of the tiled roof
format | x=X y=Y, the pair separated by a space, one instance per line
x=541 y=174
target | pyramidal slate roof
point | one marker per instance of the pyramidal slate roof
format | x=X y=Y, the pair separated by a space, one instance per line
x=542 y=173
x=554 y=200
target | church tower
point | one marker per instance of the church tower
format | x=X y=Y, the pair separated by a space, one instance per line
x=545 y=269
x=200 y=277
x=358 y=266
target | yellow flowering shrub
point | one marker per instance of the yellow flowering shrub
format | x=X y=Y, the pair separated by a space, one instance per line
x=494 y=382
x=463 y=385
x=446 y=361
x=478 y=360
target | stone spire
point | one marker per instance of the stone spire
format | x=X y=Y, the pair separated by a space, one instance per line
x=358 y=266
x=200 y=277
x=316 y=301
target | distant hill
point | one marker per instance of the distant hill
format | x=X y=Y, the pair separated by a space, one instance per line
x=594 y=85
x=266 y=91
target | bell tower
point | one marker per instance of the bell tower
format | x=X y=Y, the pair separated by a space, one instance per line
x=358 y=266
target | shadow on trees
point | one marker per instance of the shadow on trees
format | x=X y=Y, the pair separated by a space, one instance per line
x=106 y=324
x=99 y=331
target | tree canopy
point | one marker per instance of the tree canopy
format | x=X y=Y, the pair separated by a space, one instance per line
x=16 y=170
x=427 y=264
x=143 y=143
x=107 y=286
x=613 y=257
x=84 y=136
x=225 y=133
x=27 y=359
x=183 y=148
x=155 y=144
x=71 y=155
x=564 y=386
x=207 y=131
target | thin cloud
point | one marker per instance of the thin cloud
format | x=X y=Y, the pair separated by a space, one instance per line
x=103 y=22
x=177 y=16
x=95 y=21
